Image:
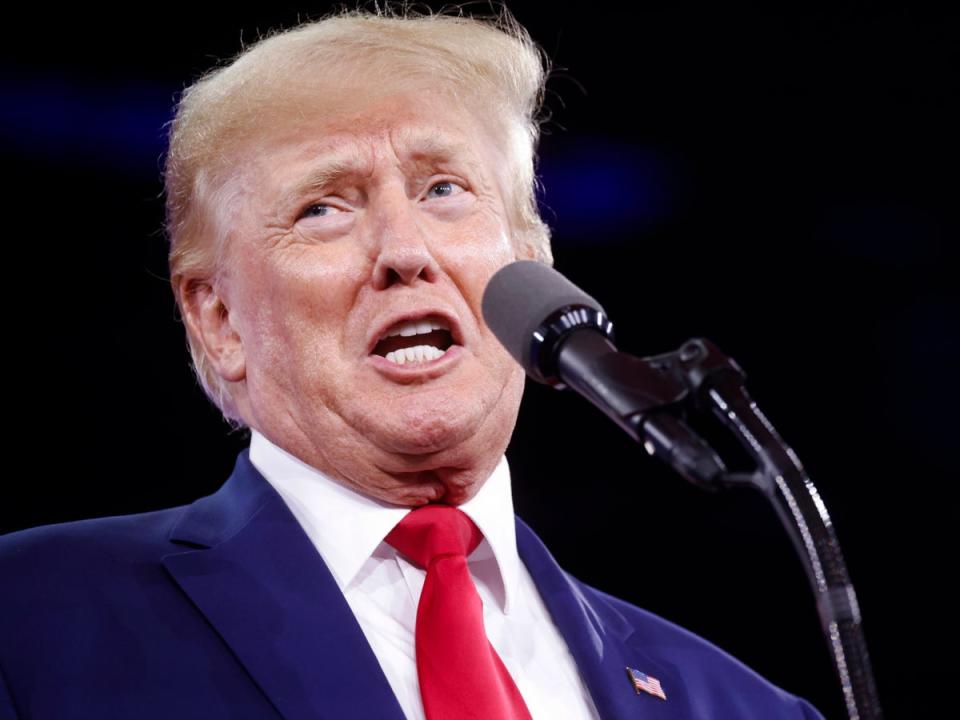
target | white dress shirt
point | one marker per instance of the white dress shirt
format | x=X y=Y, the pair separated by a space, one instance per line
x=383 y=588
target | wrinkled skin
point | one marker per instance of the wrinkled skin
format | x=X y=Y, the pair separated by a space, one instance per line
x=406 y=214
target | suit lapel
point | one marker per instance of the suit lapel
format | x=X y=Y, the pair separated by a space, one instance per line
x=247 y=565
x=259 y=581
x=602 y=642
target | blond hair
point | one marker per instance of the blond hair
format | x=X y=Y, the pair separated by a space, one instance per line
x=493 y=59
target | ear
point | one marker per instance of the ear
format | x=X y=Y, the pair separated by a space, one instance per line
x=523 y=249
x=208 y=321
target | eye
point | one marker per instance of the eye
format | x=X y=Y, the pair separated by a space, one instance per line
x=319 y=210
x=445 y=188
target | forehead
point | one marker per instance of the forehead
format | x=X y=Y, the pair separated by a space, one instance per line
x=417 y=128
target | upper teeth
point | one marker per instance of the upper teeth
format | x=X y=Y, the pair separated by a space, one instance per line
x=415 y=327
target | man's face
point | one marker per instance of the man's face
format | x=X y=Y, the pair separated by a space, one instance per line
x=361 y=245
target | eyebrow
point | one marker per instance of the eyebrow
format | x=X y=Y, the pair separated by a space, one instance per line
x=417 y=143
x=329 y=171
x=416 y=147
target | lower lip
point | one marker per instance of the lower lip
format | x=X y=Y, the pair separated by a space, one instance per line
x=417 y=370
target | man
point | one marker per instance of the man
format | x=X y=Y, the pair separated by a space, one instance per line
x=338 y=198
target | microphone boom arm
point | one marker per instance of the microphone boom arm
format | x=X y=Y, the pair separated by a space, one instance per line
x=561 y=336
x=643 y=399
x=713 y=383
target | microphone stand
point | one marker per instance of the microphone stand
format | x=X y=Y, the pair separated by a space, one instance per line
x=644 y=395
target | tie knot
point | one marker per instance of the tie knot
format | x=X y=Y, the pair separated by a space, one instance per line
x=433 y=531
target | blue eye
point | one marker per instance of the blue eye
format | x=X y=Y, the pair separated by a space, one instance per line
x=444 y=189
x=319 y=210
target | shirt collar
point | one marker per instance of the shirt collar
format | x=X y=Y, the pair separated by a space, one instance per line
x=347 y=527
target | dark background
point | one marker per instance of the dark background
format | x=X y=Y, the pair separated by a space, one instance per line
x=780 y=180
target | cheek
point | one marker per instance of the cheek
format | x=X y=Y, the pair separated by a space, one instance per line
x=296 y=304
x=484 y=248
x=308 y=276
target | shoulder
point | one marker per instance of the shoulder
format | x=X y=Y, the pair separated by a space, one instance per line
x=42 y=564
x=658 y=633
x=735 y=689
x=716 y=684
x=107 y=537
x=73 y=590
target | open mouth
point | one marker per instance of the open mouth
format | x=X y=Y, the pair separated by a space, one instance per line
x=415 y=341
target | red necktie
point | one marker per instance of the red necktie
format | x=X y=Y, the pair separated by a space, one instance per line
x=461 y=675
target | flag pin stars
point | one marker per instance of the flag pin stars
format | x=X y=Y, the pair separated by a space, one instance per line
x=643 y=682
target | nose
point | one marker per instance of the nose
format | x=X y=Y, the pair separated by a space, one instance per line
x=402 y=250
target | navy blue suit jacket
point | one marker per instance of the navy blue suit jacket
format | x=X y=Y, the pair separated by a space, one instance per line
x=223 y=609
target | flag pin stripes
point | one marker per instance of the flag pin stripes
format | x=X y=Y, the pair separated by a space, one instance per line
x=645 y=683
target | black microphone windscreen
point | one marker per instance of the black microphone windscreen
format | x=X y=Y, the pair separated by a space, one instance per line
x=520 y=297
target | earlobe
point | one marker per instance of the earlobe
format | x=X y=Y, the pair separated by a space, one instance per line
x=523 y=246
x=526 y=251
x=209 y=324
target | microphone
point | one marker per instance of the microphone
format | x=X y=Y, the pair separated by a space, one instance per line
x=562 y=337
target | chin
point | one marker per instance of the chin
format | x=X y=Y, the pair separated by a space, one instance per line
x=426 y=435
x=420 y=426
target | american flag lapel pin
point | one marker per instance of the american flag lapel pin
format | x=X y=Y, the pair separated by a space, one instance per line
x=643 y=682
